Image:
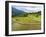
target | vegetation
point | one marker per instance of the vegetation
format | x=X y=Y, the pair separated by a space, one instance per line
x=29 y=21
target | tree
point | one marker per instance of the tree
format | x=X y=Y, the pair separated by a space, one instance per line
x=25 y=15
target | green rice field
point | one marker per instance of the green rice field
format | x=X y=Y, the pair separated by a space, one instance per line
x=31 y=22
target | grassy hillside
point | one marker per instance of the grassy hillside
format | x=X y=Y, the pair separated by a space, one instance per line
x=31 y=22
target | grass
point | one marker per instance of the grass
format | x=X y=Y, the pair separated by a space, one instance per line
x=31 y=22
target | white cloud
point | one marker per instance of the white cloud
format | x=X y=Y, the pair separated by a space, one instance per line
x=28 y=8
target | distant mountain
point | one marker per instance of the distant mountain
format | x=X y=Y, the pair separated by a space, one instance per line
x=17 y=12
x=28 y=9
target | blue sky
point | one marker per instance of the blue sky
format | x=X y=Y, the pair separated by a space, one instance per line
x=28 y=8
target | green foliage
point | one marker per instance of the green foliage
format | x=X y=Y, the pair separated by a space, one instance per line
x=25 y=15
x=33 y=19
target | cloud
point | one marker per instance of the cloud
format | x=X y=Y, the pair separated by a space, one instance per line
x=28 y=8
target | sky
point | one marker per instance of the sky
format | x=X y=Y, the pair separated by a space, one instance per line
x=28 y=8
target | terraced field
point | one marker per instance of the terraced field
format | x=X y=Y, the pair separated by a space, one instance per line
x=26 y=23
